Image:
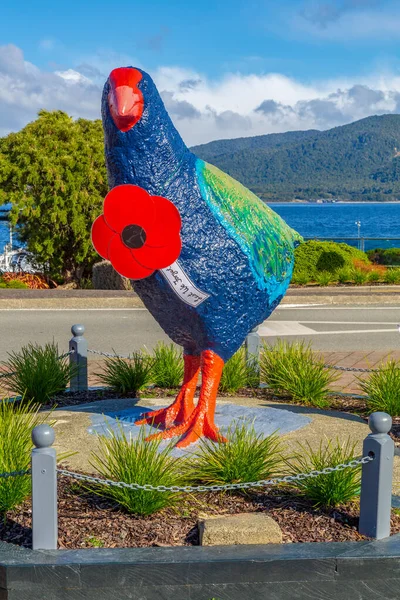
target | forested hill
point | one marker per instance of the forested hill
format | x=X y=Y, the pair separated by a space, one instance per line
x=360 y=161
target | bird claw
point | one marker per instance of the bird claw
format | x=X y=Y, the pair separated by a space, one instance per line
x=196 y=427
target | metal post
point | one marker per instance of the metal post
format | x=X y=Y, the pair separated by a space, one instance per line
x=377 y=475
x=78 y=358
x=252 y=345
x=44 y=489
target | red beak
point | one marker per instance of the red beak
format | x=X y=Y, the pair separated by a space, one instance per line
x=125 y=99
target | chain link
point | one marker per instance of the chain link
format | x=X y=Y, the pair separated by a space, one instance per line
x=9 y=374
x=66 y=354
x=351 y=369
x=14 y=474
x=353 y=464
x=107 y=354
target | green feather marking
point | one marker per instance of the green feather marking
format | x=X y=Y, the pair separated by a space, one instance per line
x=263 y=236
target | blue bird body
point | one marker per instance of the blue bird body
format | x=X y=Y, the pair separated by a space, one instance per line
x=243 y=287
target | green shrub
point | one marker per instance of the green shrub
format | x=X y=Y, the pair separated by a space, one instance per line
x=383 y=389
x=127 y=375
x=359 y=277
x=330 y=261
x=168 y=366
x=136 y=461
x=387 y=256
x=334 y=488
x=247 y=456
x=392 y=276
x=324 y=278
x=344 y=275
x=16 y=423
x=374 y=276
x=300 y=278
x=13 y=284
x=296 y=370
x=313 y=257
x=37 y=372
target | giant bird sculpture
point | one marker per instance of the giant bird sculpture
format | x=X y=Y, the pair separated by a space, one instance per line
x=209 y=259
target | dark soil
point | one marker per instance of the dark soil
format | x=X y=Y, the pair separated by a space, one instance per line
x=86 y=520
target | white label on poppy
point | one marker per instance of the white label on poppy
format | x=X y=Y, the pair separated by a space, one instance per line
x=182 y=286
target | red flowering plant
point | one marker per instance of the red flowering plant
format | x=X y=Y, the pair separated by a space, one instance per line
x=137 y=233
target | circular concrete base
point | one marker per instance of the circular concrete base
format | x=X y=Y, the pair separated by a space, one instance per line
x=265 y=421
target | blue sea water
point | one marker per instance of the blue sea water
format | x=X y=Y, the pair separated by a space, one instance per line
x=338 y=220
x=378 y=220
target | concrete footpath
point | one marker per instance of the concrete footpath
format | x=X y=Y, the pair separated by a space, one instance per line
x=61 y=298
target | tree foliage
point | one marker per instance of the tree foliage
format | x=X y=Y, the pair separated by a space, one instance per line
x=314 y=257
x=53 y=172
x=359 y=161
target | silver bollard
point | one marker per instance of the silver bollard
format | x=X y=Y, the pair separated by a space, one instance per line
x=44 y=489
x=79 y=347
x=252 y=345
x=377 y=476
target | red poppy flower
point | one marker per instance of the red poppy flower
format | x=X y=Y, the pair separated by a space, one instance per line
x=138 y=233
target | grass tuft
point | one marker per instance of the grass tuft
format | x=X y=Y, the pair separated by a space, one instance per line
x=16 y=423
x=359 y=277
x=239 y=373
x=344 y=275
x=127 y=375
x=168 y=366
x=38 y=373
x=247 y=456
x=392 y=276
x=324 y=278
x=383 y=389
x=122 y=458
x=296 y=370
x=334 y=488
x=301 y=278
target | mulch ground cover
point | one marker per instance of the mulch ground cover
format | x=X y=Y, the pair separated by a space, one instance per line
x=87 y=520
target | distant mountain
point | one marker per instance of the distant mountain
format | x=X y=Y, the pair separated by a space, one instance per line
x=359 y=161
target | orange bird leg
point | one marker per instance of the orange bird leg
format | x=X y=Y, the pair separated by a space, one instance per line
x=201 y=421
x=181 y=409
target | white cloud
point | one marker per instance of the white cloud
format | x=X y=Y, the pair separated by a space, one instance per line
x=202 y=109
x=47 y=44
x=347 y=20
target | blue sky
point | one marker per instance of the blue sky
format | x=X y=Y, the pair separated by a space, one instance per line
x=254 y=67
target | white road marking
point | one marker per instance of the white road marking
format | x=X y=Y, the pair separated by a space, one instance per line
x=335 y=307
x=274 y=328
x=288 y=328
x=350 y=322
x=297 y=305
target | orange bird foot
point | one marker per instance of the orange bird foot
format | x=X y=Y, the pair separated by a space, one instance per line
x=197 y=426
x=182 y=408
x=200 y=422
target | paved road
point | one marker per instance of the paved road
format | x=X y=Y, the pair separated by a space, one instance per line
x=329 y=328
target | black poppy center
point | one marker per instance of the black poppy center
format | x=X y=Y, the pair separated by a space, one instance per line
x=133 y=236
